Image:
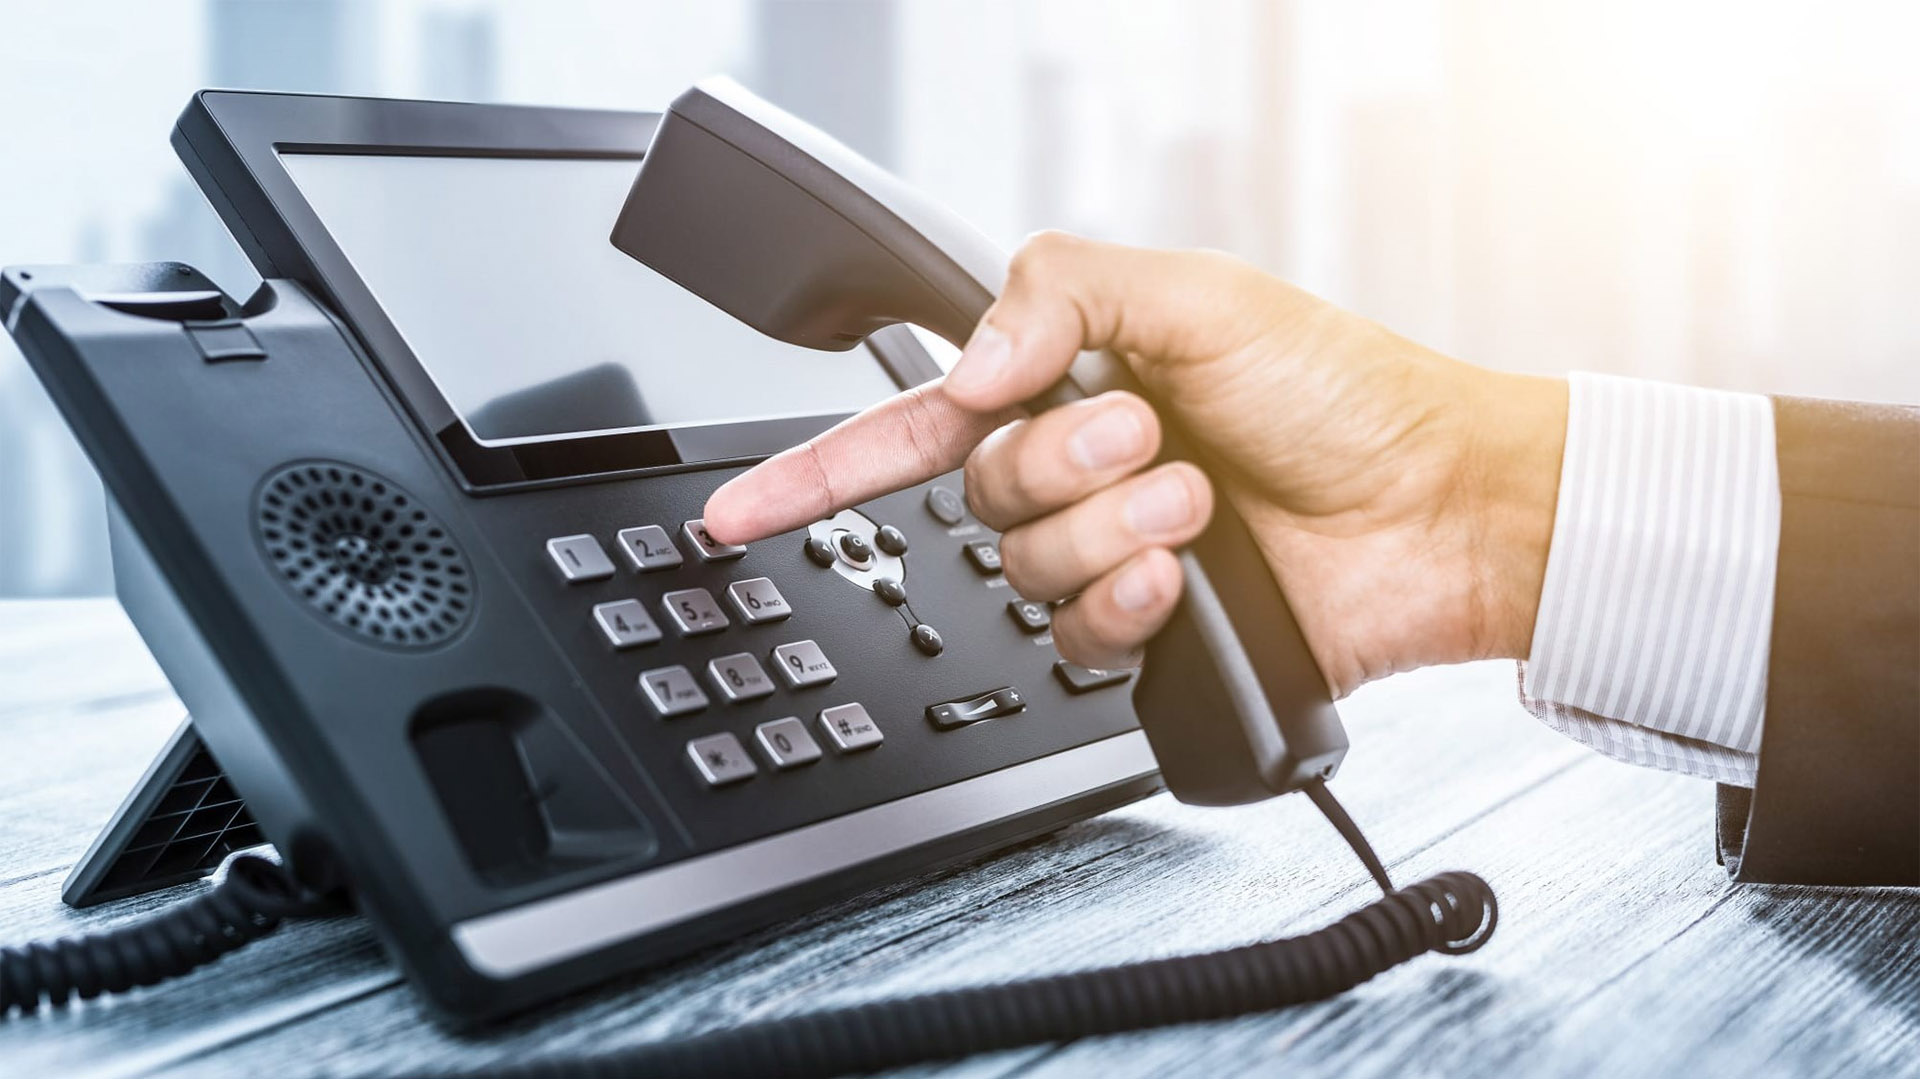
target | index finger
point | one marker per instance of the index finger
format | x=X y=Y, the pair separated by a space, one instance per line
x=913 y=436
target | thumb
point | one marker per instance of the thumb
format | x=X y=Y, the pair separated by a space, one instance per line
x=1065 y=294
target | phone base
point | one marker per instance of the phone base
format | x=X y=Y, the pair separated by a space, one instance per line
x=178 y=824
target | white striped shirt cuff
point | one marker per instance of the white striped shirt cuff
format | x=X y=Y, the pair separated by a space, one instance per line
x=1651 y=640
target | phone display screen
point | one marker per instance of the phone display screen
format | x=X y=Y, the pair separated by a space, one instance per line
x=498 y=273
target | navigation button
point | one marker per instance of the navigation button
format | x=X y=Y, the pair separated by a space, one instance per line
x=820 y=552
x=850 y=729
x=720 y=759
x=890 y=590
x=802 y=664
x=1000 y=702
x=579 y=558
x=890 y=540
x=649 y=548
x=708 y=548
x=786 y=743
x=626 y=623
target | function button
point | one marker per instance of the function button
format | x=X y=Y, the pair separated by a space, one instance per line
x=758 y=600
x=802 y=664
x=927 y=639
x=739 y=677
x=649 y=548
x=708 y=548
x=890 y=590
x=1000 y=702
x=985 y=556
x=672 y=691
x=850 y=729
x=720 y=759
x=626 y=623
x=946 y=505
x=819 y=552
x=787 y=743
x=694 y=612
x=890 y=540
x=856 y=548
x=1029 y=615
x=580 y=558
x=1080 y=679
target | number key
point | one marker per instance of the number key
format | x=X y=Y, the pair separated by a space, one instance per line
x=739 y=677
x=708 y=548
x=787 y=743
x=803 y=664
x=649 y=548
x=694 y=612
x=758 y=601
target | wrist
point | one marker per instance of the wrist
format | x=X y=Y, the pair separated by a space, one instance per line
x=1520 y=434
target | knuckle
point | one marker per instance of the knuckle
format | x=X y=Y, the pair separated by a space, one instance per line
x=984 y=478
x=1019 y=564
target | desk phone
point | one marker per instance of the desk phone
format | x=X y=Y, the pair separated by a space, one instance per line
x=415 y=533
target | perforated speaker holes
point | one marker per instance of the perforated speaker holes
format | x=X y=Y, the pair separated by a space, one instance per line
x=364 y=554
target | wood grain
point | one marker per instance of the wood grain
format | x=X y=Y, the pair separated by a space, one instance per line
x=1622 y=948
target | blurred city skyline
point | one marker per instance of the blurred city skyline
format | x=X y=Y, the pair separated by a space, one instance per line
x=1704 y=192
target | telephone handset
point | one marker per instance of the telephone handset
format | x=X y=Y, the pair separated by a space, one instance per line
x=795 y=234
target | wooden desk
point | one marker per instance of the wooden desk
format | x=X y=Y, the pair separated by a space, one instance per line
x=1622 y=948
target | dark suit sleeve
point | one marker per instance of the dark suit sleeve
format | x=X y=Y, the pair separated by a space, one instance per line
x=1837 y=800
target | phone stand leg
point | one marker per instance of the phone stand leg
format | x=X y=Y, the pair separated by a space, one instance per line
x=178 y=824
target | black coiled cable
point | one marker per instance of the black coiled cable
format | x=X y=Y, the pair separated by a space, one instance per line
x=244 y=907
x=1452 y=913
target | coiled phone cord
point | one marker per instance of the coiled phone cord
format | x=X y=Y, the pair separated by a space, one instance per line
x=239 y=910
x=1453 y=913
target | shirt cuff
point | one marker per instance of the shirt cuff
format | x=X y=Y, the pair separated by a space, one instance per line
x=1652 y=635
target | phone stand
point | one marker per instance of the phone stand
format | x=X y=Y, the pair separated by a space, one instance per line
x=178 y=824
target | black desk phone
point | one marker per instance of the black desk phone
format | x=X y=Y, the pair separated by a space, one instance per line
x=415 y=533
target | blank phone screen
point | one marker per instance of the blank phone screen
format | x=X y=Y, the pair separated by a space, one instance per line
x=498 y=273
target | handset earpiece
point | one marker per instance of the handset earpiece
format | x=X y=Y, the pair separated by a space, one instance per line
x=791 y=232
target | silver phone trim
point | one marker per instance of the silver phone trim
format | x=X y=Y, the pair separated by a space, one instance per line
x=510 y=943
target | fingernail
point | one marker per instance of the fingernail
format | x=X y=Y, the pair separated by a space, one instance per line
x=1163 y=505
x=1136 y=589
x=1111 y=437
x=983 y=362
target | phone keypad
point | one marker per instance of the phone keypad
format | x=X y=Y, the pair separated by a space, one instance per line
x=758 y=601
x=648 y=548
x=739 y=678
x=672 y=691
x=694 y=612
x=708 y=548
x=802 y=664
x=626 y=623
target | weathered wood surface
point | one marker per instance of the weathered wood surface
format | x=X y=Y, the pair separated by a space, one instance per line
x=1622 y=949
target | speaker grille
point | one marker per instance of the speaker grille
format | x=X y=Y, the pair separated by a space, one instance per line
x=364 y=554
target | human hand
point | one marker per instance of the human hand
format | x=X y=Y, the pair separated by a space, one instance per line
x=1403 y=500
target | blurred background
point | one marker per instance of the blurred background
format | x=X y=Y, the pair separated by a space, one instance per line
x=1717 y=193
